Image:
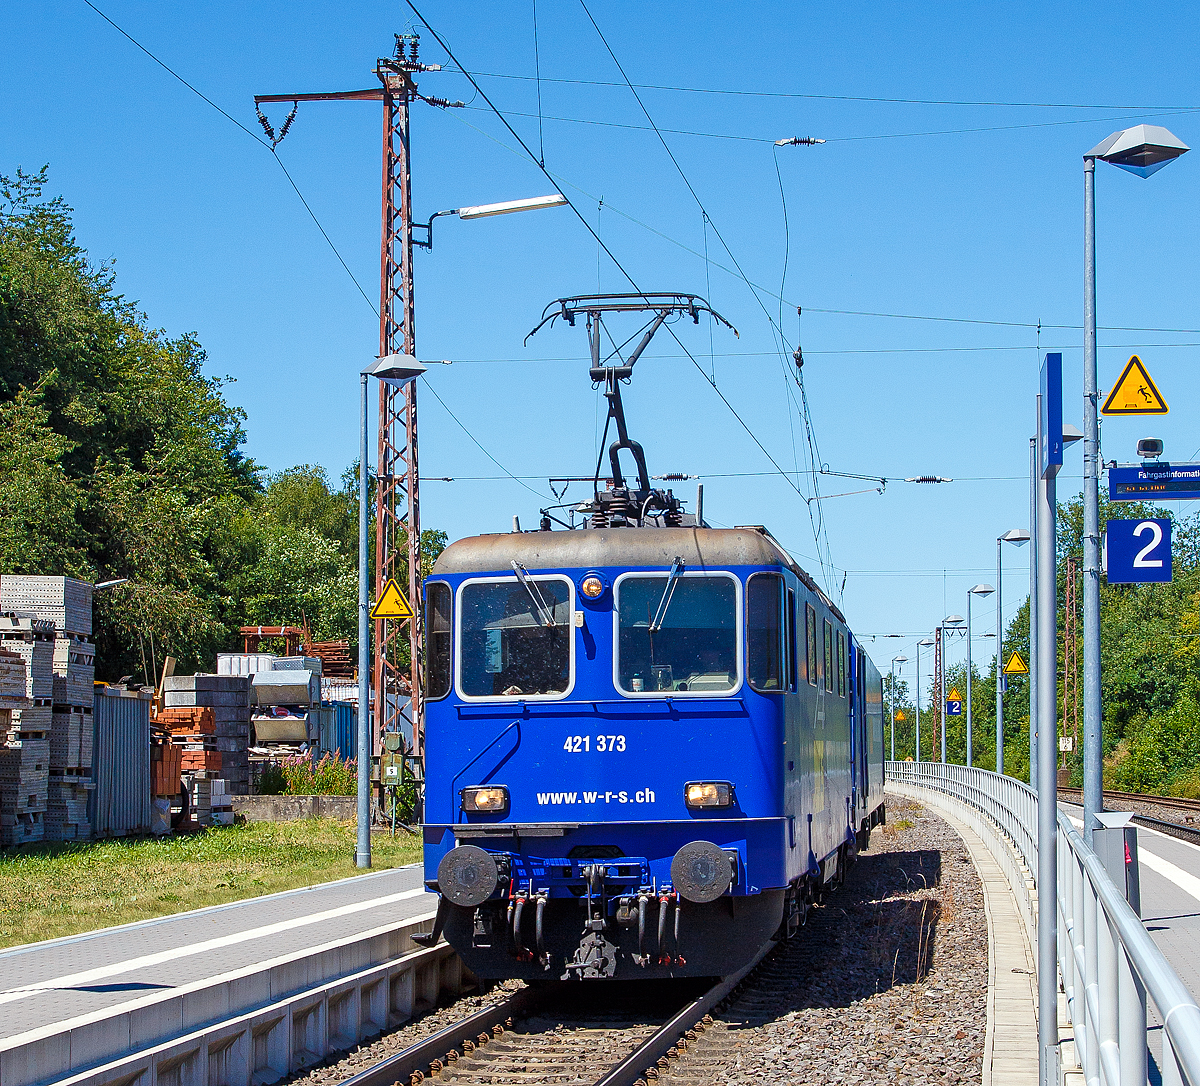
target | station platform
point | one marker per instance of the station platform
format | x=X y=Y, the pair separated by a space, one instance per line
x=67 y=1005
x=62 y=979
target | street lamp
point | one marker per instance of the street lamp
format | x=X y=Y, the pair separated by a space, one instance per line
x=951 y=621
x=483 y=211
x=1018 y=537
x=895 y=660
x=978 y=590
x=396 y=370
x=1143 y=149
x=923 y=644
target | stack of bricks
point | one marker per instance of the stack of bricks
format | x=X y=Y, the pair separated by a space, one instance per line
x=166 y=764
x=25 y=755
x=193 y=733
x=228 y=699
x=63 y=606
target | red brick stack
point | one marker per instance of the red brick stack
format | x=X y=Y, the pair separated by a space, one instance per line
x=193 y=731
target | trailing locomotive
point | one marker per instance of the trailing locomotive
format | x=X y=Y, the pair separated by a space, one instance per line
x=650 y=744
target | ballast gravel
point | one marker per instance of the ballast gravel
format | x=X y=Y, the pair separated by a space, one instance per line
x=885 y=983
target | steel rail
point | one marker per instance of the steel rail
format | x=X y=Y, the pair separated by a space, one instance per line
x=418 y=1058
x=1176 y=802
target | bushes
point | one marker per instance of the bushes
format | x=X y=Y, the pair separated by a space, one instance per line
x=300 y=776
x=1161 y=751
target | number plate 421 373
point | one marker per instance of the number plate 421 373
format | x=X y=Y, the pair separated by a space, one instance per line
x=583 y=744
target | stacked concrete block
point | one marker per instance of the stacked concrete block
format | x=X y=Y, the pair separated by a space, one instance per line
x=228 y=696
x=65 y=602
x=26 y=660
x=54 y=614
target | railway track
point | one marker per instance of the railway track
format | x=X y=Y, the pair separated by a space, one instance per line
x=557 y=1035
x=1172 y=802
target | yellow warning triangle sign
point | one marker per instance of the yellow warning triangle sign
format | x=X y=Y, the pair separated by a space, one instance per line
x=900 y=715
x=1015 y=665
x=1135 y=393
x=954 y=695
x=392 y=603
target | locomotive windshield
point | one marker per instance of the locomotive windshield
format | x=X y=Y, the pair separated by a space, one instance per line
x=515 y=640
x=694 y=648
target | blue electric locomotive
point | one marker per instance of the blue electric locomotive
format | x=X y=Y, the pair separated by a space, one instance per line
x=650 y=744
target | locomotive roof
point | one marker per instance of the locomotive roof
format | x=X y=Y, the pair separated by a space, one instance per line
x=593 y=547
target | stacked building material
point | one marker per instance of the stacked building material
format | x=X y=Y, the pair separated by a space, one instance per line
x=54 y=615
x=212 y=805
x=28 y=647
x=225 y=753
x=335 y=658
x=166 y=764
x=64 y=601
x=193 y=730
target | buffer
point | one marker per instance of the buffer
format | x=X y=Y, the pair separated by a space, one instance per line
x=391 y=603
x=1135 y=393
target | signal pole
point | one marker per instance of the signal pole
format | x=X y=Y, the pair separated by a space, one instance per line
x=397 y=499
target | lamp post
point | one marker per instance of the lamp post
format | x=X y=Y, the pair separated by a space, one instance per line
x=978 y=590
x=895 y=660
x=484 y=211
x=1017 y=537
x=951 y=621
x=1144 y=149
x=396 y=370
x=923 y=644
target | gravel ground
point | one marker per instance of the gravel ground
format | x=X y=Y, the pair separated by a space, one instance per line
x=911 y=1010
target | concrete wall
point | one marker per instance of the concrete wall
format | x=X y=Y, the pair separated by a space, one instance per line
x=290 y=808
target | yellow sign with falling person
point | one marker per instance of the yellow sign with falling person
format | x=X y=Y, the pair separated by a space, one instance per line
x=1015 y=665
x=1135 y=393
x=391 y=603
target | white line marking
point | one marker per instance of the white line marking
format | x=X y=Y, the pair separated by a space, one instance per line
x=1186 y=881
x=90 y=976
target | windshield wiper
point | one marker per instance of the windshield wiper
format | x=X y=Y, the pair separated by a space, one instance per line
x=672 y=580
x=543 y=613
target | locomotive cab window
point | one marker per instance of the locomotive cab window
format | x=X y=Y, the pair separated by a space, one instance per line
x=515 y=639
x=437 y=643
x=766 y=667
x=828 y=657
x=680 y=636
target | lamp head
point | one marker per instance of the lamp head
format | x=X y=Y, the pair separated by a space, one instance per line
x=952 y=620
x=926 y=643
x=899 y=659
x=982 y=590
x=1071 y=434
x=1017 y=536
x=1143 y=149
x=396 y=370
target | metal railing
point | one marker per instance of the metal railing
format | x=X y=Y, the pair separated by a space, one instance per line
x=1108 y=963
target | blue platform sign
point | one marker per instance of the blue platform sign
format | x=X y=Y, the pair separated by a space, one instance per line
x=1154 y=481
x=954 y=708
x=1139 y=551
x=1051 y=452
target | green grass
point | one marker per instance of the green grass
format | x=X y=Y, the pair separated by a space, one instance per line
x=47 y=891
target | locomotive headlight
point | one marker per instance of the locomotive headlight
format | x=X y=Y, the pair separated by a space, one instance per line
x=492 y=797
x=708 y=794
x=592 y=587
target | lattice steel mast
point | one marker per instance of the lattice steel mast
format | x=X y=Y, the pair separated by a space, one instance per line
x=397 y=498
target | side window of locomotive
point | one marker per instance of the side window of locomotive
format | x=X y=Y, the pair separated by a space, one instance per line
x=515 y=639
x=841 y=654
x=681 y=638
x=810 y=636
x=765 y=666
x=791 y=647
x=438 y=602
x=828 y=627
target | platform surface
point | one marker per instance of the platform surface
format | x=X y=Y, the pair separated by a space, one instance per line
x=60 y=979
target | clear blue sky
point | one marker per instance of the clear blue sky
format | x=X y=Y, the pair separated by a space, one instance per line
x=963 y=211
